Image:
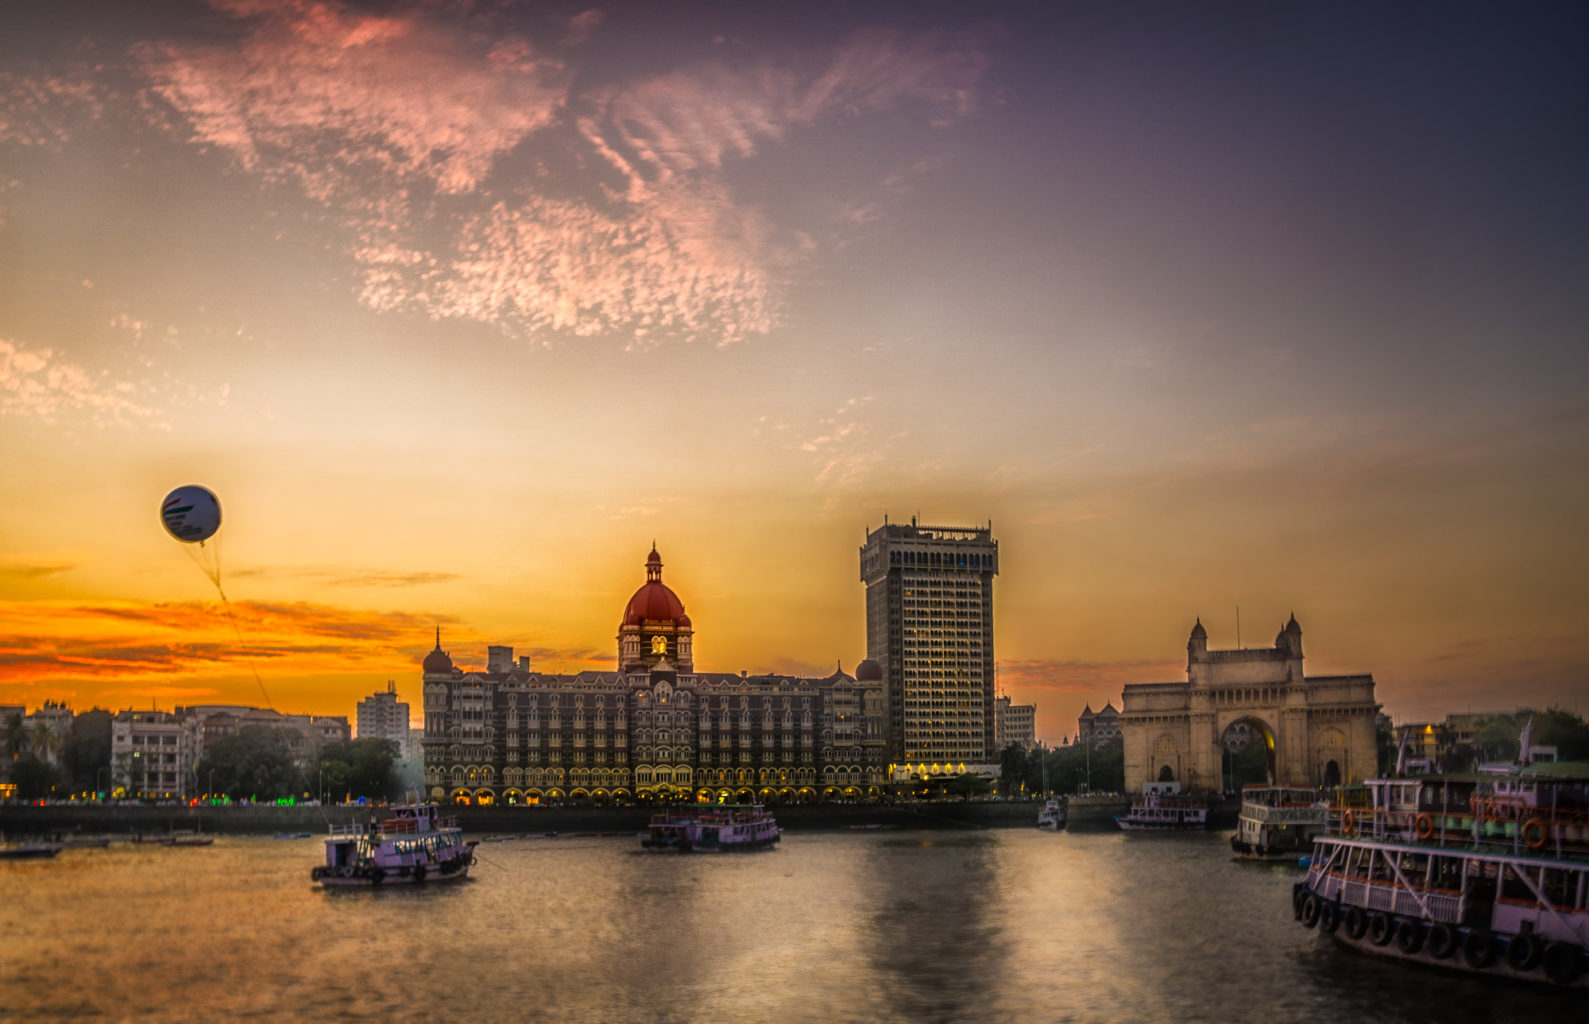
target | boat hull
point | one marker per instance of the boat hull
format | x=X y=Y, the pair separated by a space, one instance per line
x=1468 y=950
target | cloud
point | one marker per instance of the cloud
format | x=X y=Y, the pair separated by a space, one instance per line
x=844 y=447
x=1084 y=677
x=37 y=383
x=476 y=184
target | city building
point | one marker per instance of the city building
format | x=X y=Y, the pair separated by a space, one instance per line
x=654 y=729
x=1095 y=728
x=155 y=753
x=1318 y=730
x=381 y=716
x=151 y=754
x=1015 y=723
x=929 y=626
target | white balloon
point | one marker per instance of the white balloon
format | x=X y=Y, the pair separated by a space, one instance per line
x=191 y=514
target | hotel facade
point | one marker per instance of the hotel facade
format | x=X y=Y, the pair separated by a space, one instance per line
x=653 y=729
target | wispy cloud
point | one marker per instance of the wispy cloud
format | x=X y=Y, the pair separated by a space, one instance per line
x=845 y=447
x=475 y=183
x=38 y=383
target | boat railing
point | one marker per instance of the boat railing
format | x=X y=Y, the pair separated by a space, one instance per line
x=349 y=830
x=1396 y=899
x=1290 y=814
x=1543 y=835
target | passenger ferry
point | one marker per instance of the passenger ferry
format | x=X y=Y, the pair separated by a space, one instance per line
x=1278 y=822
x=1162 y=807
x=1486 y=873
x=717 y=828
x=413 y=845
x=1052 y=816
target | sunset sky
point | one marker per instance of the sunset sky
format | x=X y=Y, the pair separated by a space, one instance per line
x=459 y=306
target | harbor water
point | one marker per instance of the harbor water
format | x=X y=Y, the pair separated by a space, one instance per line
x=864 y=925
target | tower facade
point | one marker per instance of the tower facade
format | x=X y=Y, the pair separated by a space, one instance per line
x=929 y=625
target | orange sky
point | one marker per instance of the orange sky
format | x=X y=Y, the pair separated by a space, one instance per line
x=459 y=308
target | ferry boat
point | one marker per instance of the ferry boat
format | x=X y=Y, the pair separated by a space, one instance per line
x=1052 y=816
x=718 y=828
x=1162 y=807
x=1278 y=822
x=1486 y=873
x=413 y=845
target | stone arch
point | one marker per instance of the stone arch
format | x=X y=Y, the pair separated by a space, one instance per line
x=1253 y=728
x=1165 y=762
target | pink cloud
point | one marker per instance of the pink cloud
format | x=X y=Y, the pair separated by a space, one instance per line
x=36 y=383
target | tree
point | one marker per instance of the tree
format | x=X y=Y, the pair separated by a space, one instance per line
x=253 y=764
x=1012 y=769
x=967 y=786
x=359 y=768
x=36 y=779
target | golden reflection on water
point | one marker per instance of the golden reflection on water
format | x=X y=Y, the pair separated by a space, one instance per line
x=883 y=926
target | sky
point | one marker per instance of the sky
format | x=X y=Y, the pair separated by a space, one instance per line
x=1215 y=311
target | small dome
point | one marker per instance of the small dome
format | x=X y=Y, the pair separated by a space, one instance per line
x=868 y=671
x=684 y=622
x=1198 y=632
x=1292 y=627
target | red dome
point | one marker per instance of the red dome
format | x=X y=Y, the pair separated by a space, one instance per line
x=653 y=601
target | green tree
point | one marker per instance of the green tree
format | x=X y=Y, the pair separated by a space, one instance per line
x=1012 y=769
x=253 y=764
x=37 y=779
x=359 y=768
x=967 y=786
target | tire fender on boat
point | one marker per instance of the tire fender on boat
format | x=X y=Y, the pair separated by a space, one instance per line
x=1298 y=893
x=1329 y=916
x=377 y=875
x=1444 y=940
x=1410 y=935
x=1564 y=961
x=1524 y=951
x=1478 y=949
x=1381 y=929
x=1310 y=910
x=1356 y=922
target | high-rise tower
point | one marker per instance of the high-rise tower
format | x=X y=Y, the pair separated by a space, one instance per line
x=929 y=624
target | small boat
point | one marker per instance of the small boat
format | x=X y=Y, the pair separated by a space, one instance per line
x=187 y=839
x=1486 y=873
x=413 y=845
x=1278 y=822
x=717 y=828
x=292 y=835
x=1052 y=816
x=1163 y=807
x=29 y=851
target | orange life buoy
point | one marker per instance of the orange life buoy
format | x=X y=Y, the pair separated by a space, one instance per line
x=1533 y=833
x=1426 y=827
x=1348 y=823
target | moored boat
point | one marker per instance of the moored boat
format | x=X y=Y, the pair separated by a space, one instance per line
x=29 y=851
x=1163 y=807
x=1278 y=822
x=413 y=845
x=1486 y=873
x=1052 y=816
x=717 y=828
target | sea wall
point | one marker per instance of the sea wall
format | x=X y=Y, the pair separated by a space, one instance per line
x=23 y=819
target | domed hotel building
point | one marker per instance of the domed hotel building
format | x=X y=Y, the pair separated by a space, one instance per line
x=652 y=729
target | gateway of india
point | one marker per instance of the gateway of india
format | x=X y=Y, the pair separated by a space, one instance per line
x=1319 y=730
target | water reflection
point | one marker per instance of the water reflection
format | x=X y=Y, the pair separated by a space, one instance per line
x=935 y=946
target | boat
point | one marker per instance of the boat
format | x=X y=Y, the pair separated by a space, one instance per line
x=718 y=828
x=186 y=839
x=29 y=851
x=1163 y=807
x=1486 y=872
x=413 y=845
x=1052 y=816
x=1278 y=822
